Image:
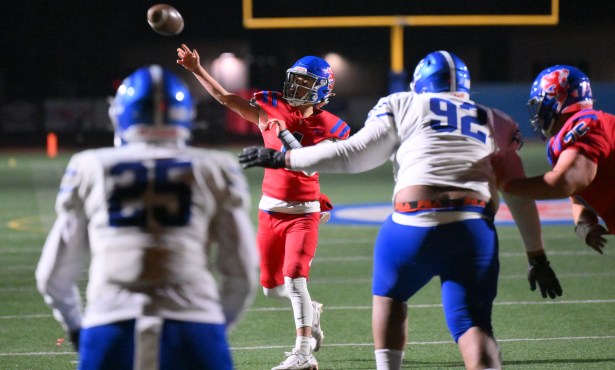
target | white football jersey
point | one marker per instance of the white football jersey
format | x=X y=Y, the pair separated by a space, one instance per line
x=434 y=139
x=156 y=221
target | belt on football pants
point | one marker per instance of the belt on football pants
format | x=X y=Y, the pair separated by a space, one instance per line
x=442 y=205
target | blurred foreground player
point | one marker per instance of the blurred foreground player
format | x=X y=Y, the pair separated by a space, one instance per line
x=291 y=206
x=445 y=200
x=581 y=150
x=158 y=220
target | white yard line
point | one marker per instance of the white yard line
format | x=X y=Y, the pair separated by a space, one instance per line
x=329 y=344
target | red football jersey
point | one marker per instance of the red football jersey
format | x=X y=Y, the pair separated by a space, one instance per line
x=290 y=185
x=592 y=132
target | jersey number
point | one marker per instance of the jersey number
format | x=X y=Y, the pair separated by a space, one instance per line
x=142 y=195
x=469 y=116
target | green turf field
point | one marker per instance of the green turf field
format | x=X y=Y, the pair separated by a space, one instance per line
x=576 y=331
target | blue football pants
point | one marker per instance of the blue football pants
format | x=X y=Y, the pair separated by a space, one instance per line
x=183 y=345
x=463 y=254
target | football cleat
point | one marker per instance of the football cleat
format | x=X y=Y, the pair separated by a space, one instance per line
x=317 y=334
x=297 y=361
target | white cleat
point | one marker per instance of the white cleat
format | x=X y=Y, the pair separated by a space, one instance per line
x=317 y=334
x=297 y=361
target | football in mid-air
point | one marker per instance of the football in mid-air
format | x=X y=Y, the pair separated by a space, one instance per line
x=165 y=19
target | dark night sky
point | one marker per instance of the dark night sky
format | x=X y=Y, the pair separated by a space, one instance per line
x=76 y=48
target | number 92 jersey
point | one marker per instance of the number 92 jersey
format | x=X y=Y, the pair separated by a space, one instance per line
x=148 y=214
x=446 y=140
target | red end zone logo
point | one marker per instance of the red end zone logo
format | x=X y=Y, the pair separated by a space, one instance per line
x=553 y=212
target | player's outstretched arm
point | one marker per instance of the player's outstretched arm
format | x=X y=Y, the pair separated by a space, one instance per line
x=191 y=61
x=258 y=156
x=526 y=218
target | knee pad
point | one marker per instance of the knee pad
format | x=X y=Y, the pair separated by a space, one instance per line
x=278 y=293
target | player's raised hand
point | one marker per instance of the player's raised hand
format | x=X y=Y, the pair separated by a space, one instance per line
x=258 y=156
x=540 y=272
x=187 y=58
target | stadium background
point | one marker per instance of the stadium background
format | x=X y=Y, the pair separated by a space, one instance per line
x=62 y=60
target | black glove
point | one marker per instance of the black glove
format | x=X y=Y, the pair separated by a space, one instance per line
x=262 y=157
x=74 y=338
x=592 y=235
x=539 y=271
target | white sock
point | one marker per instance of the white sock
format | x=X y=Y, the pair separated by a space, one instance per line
x=302 y=344
x=388 y=359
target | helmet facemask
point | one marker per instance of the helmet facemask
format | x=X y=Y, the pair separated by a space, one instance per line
x=541 y=118
x=301 y=88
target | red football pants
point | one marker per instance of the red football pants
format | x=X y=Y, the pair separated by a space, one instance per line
x=287 y=245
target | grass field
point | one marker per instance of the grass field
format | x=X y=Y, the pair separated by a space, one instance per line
x=576 y=331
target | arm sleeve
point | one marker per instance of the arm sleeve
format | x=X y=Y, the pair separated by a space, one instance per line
x=237 y=258
x=369 y=148
x=63 y=258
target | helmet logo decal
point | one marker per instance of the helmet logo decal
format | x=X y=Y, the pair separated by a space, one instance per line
x=331 y=78
x=555 y=85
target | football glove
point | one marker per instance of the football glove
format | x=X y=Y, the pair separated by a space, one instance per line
x=592 y=235
x=258 y=156
x=539 y=271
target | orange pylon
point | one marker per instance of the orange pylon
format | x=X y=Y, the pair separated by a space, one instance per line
x=52 y=145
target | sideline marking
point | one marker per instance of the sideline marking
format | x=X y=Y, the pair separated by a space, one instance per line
x=552 y=212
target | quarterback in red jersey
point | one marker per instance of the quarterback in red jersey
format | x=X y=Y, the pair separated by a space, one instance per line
x=291 y=204
x=581 y=151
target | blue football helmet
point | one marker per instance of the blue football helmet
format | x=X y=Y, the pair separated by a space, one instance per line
x=152 y=104
x=441 y=71
x=309 y=81
x=557 y=90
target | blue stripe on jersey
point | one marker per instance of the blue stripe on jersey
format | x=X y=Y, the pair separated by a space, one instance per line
x=344 y=131
x=384 y=114
x=66 y=189
x=270 y=98
x=589 y=115
x=337 y=126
